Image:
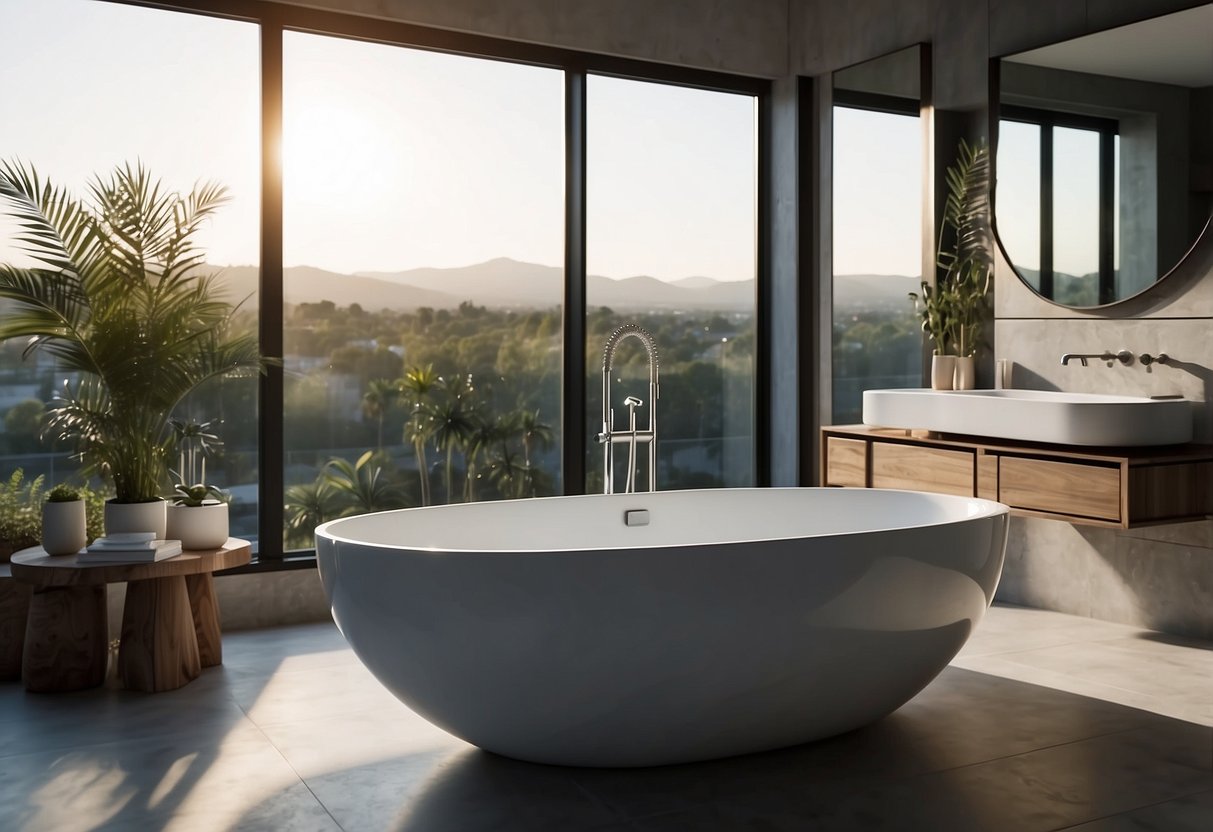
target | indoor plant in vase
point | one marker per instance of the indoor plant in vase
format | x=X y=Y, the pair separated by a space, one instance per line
x=197 y=514
x=64 y=523
x=963 y=257
x=935 y=308
x=118 y=296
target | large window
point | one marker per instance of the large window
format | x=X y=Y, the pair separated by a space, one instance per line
x=423 y=242
x=420 y=254
x=672 y=246
x=87 y=86
x=877 y=217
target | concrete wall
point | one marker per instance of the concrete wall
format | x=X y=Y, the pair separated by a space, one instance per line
x=747 y=37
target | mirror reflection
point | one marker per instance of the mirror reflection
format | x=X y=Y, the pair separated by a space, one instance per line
x=877 y=228
x=1105 y=157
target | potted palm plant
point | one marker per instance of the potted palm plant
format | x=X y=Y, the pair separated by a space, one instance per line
x=964 y=253
x=119 y=298
x=935 y=307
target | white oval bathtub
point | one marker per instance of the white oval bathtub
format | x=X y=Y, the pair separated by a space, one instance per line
x=737 y=620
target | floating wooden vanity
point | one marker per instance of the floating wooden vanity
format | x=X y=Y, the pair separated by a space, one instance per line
x=1111 y=487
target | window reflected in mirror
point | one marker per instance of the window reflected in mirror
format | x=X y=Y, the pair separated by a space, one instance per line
x=1104 y=159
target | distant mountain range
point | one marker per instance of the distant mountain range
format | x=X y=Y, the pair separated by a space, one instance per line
x=510 y=284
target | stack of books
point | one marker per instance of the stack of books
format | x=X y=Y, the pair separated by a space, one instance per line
x=130 y=547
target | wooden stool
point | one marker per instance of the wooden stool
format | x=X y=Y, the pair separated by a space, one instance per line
x=14 y=610
x=170 y=623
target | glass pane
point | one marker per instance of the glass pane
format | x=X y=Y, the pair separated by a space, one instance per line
x=89 y=86
x=671 y=246
x=424 y=216
x=1075 y=216
x=877 y=341
x=1018 y=196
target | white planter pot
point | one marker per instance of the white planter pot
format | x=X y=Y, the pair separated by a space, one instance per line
x=135 y=517
x=64 y=531
x=966 y=374
x=198 y=527
x=943 y=371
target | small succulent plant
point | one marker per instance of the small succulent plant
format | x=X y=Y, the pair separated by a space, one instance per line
x=62 y=493
x=198 y=494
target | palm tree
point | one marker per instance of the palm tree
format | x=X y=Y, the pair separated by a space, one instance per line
x=307 y=506
x=533 y=430
x=361 y=486
x=507 y=471
x=117 y=296
x=379 y=397
x=416 y=385
x=485 y=434
x=453 y=426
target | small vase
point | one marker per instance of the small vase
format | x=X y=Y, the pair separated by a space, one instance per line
x=135 y=517
x=966 y=373
x=64 y=531
x=198 y=527
x=943 y=371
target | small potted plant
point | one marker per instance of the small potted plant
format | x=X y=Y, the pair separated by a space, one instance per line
x=963 y=258
x=935 y=308
x=64 y=528
x=198 y=516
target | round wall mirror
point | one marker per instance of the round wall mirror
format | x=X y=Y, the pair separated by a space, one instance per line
x=1104 y=158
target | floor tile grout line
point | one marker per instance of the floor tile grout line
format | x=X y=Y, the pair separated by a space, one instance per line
x=302 y=780
x=1063 y=676
x=1128 y=811
x=601 y=802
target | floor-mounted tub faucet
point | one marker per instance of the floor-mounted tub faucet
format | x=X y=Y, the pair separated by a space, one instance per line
x=633 y=436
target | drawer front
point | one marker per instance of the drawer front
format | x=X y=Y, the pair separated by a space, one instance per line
x=922 y=469
x=1060 y=487
x=846 y=462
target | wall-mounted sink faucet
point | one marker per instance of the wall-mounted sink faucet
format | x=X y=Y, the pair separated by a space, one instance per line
x=1124 y=357
x=633 y=437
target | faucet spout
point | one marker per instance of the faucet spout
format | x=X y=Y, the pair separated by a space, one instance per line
x=633 y=436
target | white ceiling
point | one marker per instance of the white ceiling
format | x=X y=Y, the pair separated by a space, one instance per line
x=1173 y=49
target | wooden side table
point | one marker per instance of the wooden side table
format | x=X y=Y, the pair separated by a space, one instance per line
x=170 y=623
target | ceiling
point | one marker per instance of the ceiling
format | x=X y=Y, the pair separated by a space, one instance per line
x=1173 y=49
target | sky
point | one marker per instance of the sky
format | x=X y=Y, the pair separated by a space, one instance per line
x=393 y=158
x=877 y=193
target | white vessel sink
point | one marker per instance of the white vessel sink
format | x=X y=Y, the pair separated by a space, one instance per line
x=1034 y=415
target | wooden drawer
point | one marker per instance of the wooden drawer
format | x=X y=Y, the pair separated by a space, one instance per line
x=846 y=462
x=1083 y=490
x=922 y=469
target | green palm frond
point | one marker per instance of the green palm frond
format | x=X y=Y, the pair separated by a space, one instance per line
x=121 y=299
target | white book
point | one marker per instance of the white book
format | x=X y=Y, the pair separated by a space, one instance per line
x=107 y=544
x=166 y=549
x=128 y=537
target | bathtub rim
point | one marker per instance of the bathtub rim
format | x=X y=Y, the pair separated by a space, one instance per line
x=990 y=509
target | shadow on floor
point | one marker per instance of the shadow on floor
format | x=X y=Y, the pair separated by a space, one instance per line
x=972 y=751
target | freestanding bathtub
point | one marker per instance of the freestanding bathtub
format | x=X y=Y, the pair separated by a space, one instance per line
x=736 y=620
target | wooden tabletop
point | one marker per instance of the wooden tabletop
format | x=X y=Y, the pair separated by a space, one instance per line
x=35 y=566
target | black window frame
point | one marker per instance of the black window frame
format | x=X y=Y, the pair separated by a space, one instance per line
x=273 y=20
x=1107 y=130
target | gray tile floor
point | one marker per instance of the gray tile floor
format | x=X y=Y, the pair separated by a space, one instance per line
x=1044 y=722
